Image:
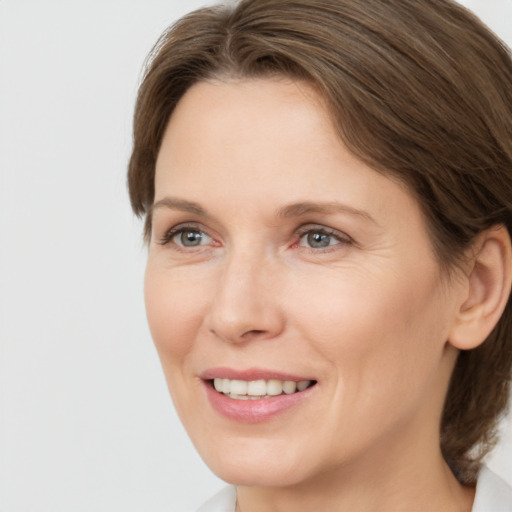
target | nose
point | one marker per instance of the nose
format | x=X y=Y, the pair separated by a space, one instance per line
x=246 y=305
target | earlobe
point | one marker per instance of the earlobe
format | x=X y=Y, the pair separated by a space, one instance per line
x=488 y=289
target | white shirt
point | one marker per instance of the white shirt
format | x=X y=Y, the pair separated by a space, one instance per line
x=492 y=495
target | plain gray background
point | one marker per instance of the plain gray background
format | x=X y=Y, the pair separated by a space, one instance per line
x=85 y=419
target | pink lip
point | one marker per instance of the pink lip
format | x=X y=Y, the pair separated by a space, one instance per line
x=249 y=374
x=251 y=411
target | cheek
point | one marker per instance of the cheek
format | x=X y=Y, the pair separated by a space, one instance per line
x=384 y=348
x=389 y=334
x=174 y=308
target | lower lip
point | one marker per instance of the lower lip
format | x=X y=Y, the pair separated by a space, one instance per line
x=253 y=411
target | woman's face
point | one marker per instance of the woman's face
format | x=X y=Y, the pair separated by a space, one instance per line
x=277 y=256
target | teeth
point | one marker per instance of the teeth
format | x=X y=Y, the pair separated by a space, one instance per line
x=257 y=388
x=238 y=387
x=274 y=387
x=246 y=397
x=254 y=389
x=303 y=384
x=290 y=386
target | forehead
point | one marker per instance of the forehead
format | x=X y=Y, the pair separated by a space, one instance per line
x=246 y=115
x=254 y=127
x=265 y=142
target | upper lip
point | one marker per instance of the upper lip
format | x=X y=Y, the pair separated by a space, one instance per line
x=250 y=374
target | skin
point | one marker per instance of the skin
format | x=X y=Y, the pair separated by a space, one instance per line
x=369 y=317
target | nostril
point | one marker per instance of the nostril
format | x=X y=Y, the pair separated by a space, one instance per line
x=253 y=332
x=240 y=337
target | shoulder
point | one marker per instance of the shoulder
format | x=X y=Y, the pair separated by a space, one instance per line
x=223 y=501
x=492 y=493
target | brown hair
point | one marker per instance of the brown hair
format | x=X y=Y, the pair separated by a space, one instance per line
x=419 y=89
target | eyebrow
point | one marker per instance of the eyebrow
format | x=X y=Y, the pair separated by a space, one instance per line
x=183 y=205
x=307 y=207
x=292 y=210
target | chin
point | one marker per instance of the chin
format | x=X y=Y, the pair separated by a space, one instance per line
x=256 y=475
x=256 y=467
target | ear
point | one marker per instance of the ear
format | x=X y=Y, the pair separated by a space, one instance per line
x=487 y=289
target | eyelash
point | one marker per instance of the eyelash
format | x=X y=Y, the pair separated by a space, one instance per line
x=168 y=236
x=341 y=238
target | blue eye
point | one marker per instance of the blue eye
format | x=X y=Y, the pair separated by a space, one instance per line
x=186 y=237
x=319 y=239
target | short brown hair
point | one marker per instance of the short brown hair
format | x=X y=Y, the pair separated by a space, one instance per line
x=419 y=89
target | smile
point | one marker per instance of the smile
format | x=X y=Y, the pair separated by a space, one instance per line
x=258 y=389
x=254 y=396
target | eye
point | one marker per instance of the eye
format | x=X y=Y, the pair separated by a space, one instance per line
x=191 y=238
x=186 y=237
x=321 y=238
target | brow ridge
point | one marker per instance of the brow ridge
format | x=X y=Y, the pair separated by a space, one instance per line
x=291 y=210
x=175 y=203
x=306 y=207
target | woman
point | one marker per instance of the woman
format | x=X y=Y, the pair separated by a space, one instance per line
x=327 y=189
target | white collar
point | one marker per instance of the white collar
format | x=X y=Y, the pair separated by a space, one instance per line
x=492 y=493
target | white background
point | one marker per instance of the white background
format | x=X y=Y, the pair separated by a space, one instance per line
x=85 y=419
